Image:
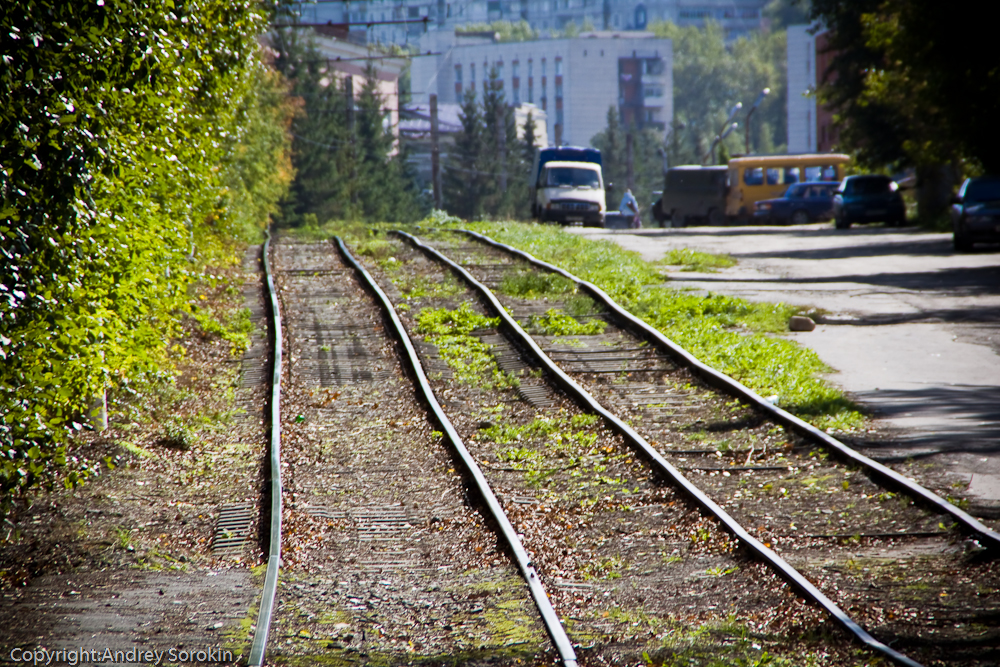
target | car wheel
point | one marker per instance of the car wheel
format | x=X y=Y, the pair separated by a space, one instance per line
x=678 y=219
x=841 y=222
x=961 y=243
x=898 y=221
x=716 y=217
x=800 y=217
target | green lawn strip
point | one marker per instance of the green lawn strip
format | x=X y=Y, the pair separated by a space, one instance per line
x=727 y=333
x=696 y=260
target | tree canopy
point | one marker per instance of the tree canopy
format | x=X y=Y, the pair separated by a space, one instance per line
x=135 y=137
x=905 y=85
x=710 y=76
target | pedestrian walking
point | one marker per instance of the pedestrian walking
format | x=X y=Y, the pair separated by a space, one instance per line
x=630 y=206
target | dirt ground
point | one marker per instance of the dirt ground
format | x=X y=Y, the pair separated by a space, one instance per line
x=126 y=561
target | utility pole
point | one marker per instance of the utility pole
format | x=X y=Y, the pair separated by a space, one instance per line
x=349 y=96
x=435 y=153
x=629 y=175
x=502 y=146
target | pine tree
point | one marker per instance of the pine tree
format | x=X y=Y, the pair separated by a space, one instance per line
x=529 y=141
x=345 y=169
x=461 y=182
x=611 y=143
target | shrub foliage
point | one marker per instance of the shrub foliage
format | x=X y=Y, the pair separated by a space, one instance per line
x=134 y=135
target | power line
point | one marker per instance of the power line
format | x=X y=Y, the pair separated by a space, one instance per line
x=338 y=59
x=346 y=26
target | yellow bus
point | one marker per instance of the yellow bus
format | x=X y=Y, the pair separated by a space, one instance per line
x=752 y=179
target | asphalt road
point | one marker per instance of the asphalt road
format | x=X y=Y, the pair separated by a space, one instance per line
x=911 y=328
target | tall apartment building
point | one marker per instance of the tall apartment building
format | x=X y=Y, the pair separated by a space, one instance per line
x=575 y=80
x=737 y=17
x=810 y=125
x=801 y=49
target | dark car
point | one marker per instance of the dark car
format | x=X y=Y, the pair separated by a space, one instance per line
x=868 y=198
x=975 y=212
x=693 y=194
x=802 y=203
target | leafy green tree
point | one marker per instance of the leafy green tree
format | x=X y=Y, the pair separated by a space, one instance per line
x=111 y=110
x=508 y=31
x=711 y=76
x=906 y=93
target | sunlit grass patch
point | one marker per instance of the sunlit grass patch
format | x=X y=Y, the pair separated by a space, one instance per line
x=470 y=359
x=727 y=333
x=557 y=323
x=696 y=260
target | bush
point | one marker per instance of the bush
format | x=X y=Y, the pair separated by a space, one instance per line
x=133 y=141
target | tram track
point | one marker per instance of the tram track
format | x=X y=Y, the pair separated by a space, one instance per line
x=629 y=564
x=835 y=552
x=379 y=524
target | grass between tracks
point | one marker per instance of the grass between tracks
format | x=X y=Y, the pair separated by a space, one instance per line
x=734 y=336
x=730 y=334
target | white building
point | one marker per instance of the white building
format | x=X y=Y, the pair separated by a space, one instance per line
x=575 y=81
x=801 y=84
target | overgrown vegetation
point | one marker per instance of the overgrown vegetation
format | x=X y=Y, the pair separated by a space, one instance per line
x=695 y=260
x=138 y=140
x=725 y=332
x=557 y=323
x=471 y=359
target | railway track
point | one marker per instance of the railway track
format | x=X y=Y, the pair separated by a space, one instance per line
x=388 y=555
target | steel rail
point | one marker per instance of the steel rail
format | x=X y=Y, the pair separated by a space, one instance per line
x=734 y=388
x=582 y=396
x=274 y=484
x=555 y=629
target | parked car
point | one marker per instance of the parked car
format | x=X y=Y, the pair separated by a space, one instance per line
x=975 y=212
x=693 y=194
x=802 y=203
x=868 y=198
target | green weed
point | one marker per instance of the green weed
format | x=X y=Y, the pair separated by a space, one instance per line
x=695 y=260
x=470 y=358
x=725 y=332
x=530 y=284
x=557 y=323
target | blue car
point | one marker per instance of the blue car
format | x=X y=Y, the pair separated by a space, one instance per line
x=975 y=212
x=868 y=198
x=802 y=203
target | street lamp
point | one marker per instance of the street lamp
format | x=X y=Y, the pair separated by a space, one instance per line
x=760 y=98
x=720 y=138
x=724 y=129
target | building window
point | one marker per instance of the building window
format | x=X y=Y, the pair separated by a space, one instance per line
x=514 y=69
x=543 y=71
x=531 y=90
x=472 y=77
x=458 y=74
x=530 y=68
x=559 y=89
x=558 y=66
